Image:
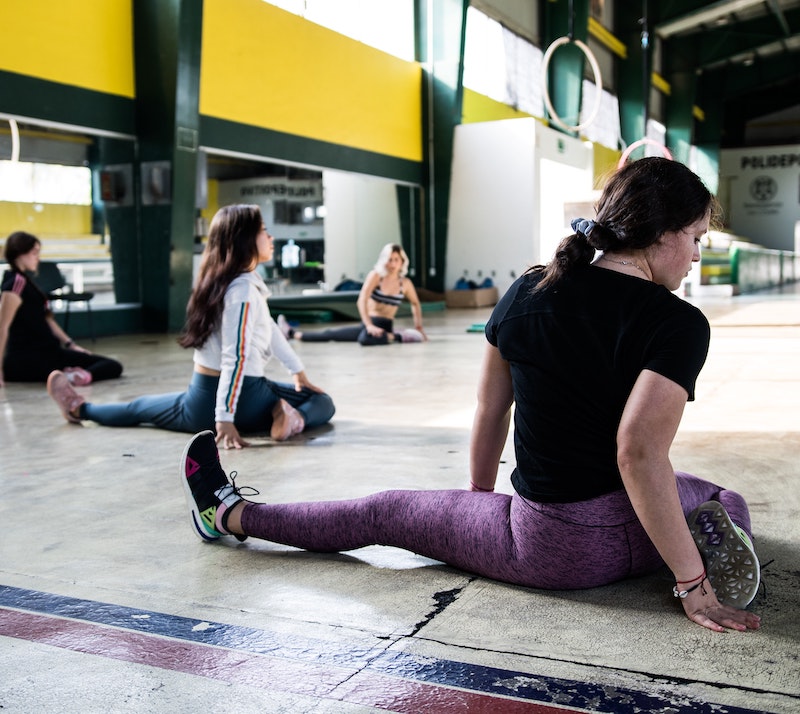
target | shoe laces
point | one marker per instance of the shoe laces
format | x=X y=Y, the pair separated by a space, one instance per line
x=241 y=491
x=762 y=586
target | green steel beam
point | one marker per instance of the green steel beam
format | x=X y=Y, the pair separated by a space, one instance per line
x=252 y=140
x=167 y=48
x=565 y=70
x=632 y=75
x=440 y=37
x=680 y=114
x=64 y=104
x=743 y=37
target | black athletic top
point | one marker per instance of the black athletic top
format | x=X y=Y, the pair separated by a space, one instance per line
x=395 y=300
x=29 y=327
x=575 y=351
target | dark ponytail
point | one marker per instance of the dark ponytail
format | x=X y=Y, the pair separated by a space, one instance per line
x=641 y=201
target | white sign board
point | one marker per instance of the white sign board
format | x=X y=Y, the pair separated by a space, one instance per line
x=761 y=186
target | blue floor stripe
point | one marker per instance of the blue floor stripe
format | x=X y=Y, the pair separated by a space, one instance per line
x=478 y=678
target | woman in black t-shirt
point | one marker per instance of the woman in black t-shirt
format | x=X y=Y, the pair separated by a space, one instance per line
x=32 y=343
x=598 y=359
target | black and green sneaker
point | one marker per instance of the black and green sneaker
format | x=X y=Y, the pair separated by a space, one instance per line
x=208 y=490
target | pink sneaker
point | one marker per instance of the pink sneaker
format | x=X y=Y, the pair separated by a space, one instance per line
x=77 y=376
x=68 y=400
x=409 y=334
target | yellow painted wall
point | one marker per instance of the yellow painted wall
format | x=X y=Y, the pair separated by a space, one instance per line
x=213 y=200
x=605 y=163
x=266 y=67
x=85 y=43
x=478 y=107
x=42 y=218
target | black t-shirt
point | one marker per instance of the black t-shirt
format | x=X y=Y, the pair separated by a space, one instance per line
x=575 y=351
x=29 y=328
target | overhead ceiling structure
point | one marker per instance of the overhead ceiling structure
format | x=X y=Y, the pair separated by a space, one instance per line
x=746 y=56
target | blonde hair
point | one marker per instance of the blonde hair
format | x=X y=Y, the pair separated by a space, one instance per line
x=385 y=254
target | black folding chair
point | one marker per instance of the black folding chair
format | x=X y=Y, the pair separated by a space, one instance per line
x=51 y=282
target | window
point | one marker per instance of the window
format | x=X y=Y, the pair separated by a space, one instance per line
x=387 y=25
x=605 y=129
x=502 y=65
x=23 y=182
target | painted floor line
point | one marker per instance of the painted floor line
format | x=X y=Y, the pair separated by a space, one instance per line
x=394 y=681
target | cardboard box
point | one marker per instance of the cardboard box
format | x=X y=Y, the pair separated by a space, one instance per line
x=482 y=297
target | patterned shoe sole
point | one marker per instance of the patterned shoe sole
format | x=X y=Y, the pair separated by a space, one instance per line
x=731 y=564
x=187 y=467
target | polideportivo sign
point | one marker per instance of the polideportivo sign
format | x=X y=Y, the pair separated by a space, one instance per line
x=760 y=189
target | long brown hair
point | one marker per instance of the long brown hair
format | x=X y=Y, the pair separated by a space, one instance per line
x=641 y=201
x=231 y=250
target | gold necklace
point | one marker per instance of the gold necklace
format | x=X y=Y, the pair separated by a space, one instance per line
x=624 y=262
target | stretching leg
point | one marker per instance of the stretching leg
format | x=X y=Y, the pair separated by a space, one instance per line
x=332 y=334
x=189 y=411
x=260 y=395
x=100 y=367
x=497 y=536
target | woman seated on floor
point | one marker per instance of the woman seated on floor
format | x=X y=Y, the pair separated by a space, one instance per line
x=380 y=297
x=229 y=326
x=32 y=343
x=598 y=358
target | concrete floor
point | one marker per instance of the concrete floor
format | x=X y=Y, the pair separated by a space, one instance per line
x=108 y=603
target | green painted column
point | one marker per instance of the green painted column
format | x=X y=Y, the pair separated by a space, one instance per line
x=167 y=47
x=440 y=36
x=708 y=132
x=680 y=114
x=633 y=75
x=565 y=70
x=115 y=159
x=409 y=207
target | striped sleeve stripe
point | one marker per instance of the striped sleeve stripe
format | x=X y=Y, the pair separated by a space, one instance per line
x=238 y=367
x=19 y=284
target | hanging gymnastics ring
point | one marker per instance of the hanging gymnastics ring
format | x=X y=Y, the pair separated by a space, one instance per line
x=12 y=123
x=642 y=142
x=598 y=81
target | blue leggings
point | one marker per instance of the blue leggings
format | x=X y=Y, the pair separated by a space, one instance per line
x=507 y=538
x=193 y=410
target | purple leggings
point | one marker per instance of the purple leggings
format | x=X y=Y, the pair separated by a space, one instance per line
x=507 y=538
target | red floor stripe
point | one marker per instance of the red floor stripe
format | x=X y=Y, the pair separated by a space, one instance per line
x=263 y=672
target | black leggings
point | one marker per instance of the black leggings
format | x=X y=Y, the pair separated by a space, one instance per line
x=353 y=333
x=36 y=365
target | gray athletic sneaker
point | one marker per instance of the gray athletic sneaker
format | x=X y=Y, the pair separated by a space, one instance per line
x=731 y=562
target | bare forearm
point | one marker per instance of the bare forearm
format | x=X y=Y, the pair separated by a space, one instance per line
x=489 y=433
x=416 y=311
x=652 y=490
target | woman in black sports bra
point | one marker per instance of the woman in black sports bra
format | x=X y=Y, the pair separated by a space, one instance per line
x=381 y=295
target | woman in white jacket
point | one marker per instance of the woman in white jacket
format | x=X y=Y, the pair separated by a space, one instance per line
x=233 y=335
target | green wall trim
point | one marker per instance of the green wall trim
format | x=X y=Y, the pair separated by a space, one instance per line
x=224 y=135
x=107 y=321
x=41 y=99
